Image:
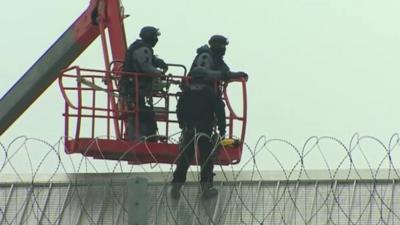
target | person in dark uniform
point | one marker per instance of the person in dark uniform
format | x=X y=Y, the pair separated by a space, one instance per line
x=209 y=62
x=200 y=106
x=140 y=58
x=198 y=110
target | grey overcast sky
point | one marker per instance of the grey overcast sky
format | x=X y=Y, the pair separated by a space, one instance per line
x=316 y=67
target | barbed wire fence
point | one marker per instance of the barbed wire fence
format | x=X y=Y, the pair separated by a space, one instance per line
x=358 y=184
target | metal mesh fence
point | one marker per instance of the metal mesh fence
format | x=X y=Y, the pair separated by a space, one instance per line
x=357 y=183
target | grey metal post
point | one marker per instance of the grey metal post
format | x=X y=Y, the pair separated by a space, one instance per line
x=138 y=201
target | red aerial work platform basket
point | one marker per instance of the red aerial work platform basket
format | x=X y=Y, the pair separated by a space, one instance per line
x=95 y=118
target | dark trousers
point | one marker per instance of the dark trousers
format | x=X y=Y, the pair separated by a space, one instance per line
x=147 y=121
x=187 y=155
x=147 y=124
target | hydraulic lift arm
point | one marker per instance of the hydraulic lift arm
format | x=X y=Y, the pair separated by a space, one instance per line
x=90 y=24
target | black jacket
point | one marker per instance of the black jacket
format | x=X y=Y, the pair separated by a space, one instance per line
x=217 y=63
x=130 y=63
x=138 y=58
x=200 y=107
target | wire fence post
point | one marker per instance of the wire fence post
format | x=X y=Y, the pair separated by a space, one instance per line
x=138 y=201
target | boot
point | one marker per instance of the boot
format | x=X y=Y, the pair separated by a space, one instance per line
x=208 y=191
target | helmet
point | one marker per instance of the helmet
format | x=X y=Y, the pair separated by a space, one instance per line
x=149 y=35
x=218 y=41
x=218 y=45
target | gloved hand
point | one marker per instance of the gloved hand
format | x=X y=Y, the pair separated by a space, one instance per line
x=160 y=64
x=235 y=75
x=244 y=75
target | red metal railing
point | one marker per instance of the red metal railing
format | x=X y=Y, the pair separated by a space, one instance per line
x=93 y=109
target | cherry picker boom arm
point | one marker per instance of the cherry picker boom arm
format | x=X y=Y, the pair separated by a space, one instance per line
x=90 y=24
